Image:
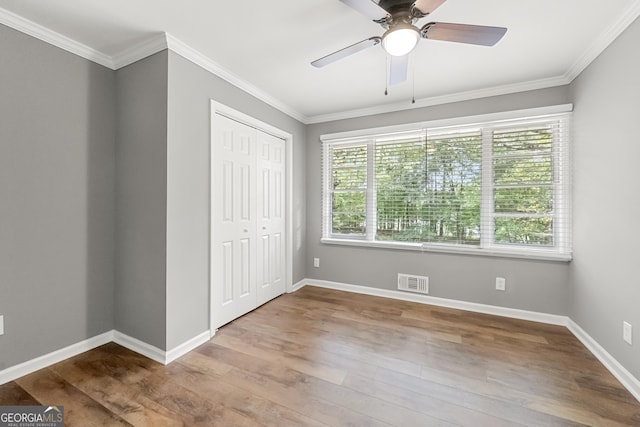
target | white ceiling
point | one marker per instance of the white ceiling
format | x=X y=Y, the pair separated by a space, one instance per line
x=267 y=46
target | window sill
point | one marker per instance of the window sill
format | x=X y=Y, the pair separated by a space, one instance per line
x=531 y=254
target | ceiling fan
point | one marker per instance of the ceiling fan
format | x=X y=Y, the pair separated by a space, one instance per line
x=398 y=17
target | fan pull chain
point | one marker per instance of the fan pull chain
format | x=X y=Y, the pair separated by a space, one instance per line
x=386 y=75
x=413 y=82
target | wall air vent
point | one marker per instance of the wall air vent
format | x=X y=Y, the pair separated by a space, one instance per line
x=411 y=283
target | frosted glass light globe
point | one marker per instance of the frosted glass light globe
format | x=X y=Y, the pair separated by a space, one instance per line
x=399 y=41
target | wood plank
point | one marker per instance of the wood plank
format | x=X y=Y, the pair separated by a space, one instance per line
x=512 y=408
x=324 y=357
x=427 y=404
x=93 y=377
x=317 y=369
x=190 y=406
x=253 y=407
x=12 y=394
x=79 y=409
x=278 y=383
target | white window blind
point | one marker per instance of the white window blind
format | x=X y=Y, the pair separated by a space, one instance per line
x=498 y=187
x=428 y=189
x=348 y=189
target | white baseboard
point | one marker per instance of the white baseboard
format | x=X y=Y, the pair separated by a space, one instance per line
x=625 y=377
x=30 y=366
x=159 y=355
x=133 y=344
x=140 y=347
x=297 y=286
x=630 y=382
x=514 y=313
x=187 y=346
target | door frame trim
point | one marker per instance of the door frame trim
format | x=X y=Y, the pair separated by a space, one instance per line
x=233 y=114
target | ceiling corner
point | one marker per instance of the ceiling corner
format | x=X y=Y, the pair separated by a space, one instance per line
x=179 y=47
x=141 y=50
x=604 y=40
x=46 y=35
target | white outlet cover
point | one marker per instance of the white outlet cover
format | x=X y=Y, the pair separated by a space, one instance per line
x=627 y=333
x=1 y=325
x=501 y=283
x=316 y=262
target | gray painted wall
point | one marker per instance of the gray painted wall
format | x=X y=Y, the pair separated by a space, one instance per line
x=141 y=200
x=531 y=285
x=162 y=234
x=606 y=288
x=72 y=198
x=56 y=198
x=190 y=90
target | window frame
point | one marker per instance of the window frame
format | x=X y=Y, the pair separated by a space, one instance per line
x=562 y=249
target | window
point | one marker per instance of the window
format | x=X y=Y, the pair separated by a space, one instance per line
x=498 y=187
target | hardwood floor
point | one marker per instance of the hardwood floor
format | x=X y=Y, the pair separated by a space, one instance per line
x=323 y=357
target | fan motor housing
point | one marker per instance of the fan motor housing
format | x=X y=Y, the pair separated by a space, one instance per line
x=392 y=6
x=400 y=11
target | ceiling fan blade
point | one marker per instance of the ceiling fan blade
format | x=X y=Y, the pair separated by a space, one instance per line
x=368 y=8
x=398 y=71
x=427 y=6
x=463 y=33
x=349 y=50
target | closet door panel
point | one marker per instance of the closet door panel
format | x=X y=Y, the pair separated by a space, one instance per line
x=271 y=221
x=234 y=219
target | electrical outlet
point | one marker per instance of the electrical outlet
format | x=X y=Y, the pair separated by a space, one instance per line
x=1 y=325
x=501 y=284
x=627 y=333
x=316 y=262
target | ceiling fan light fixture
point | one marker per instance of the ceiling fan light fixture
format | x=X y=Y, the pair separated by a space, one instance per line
x=400 y=40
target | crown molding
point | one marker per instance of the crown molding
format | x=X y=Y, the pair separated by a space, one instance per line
x=213 y=67
x=140 y=50
x=443 y=99
x=161 y=41
x=40 y=32
x=604 y=40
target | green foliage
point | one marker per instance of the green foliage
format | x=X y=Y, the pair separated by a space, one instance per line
x=349 y=212
x=524 y=231
x=430 y=190
x=349 y=181
x=523 y=187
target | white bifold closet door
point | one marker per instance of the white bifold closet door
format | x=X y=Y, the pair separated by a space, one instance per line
x=247 y=219
x=271 y=219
